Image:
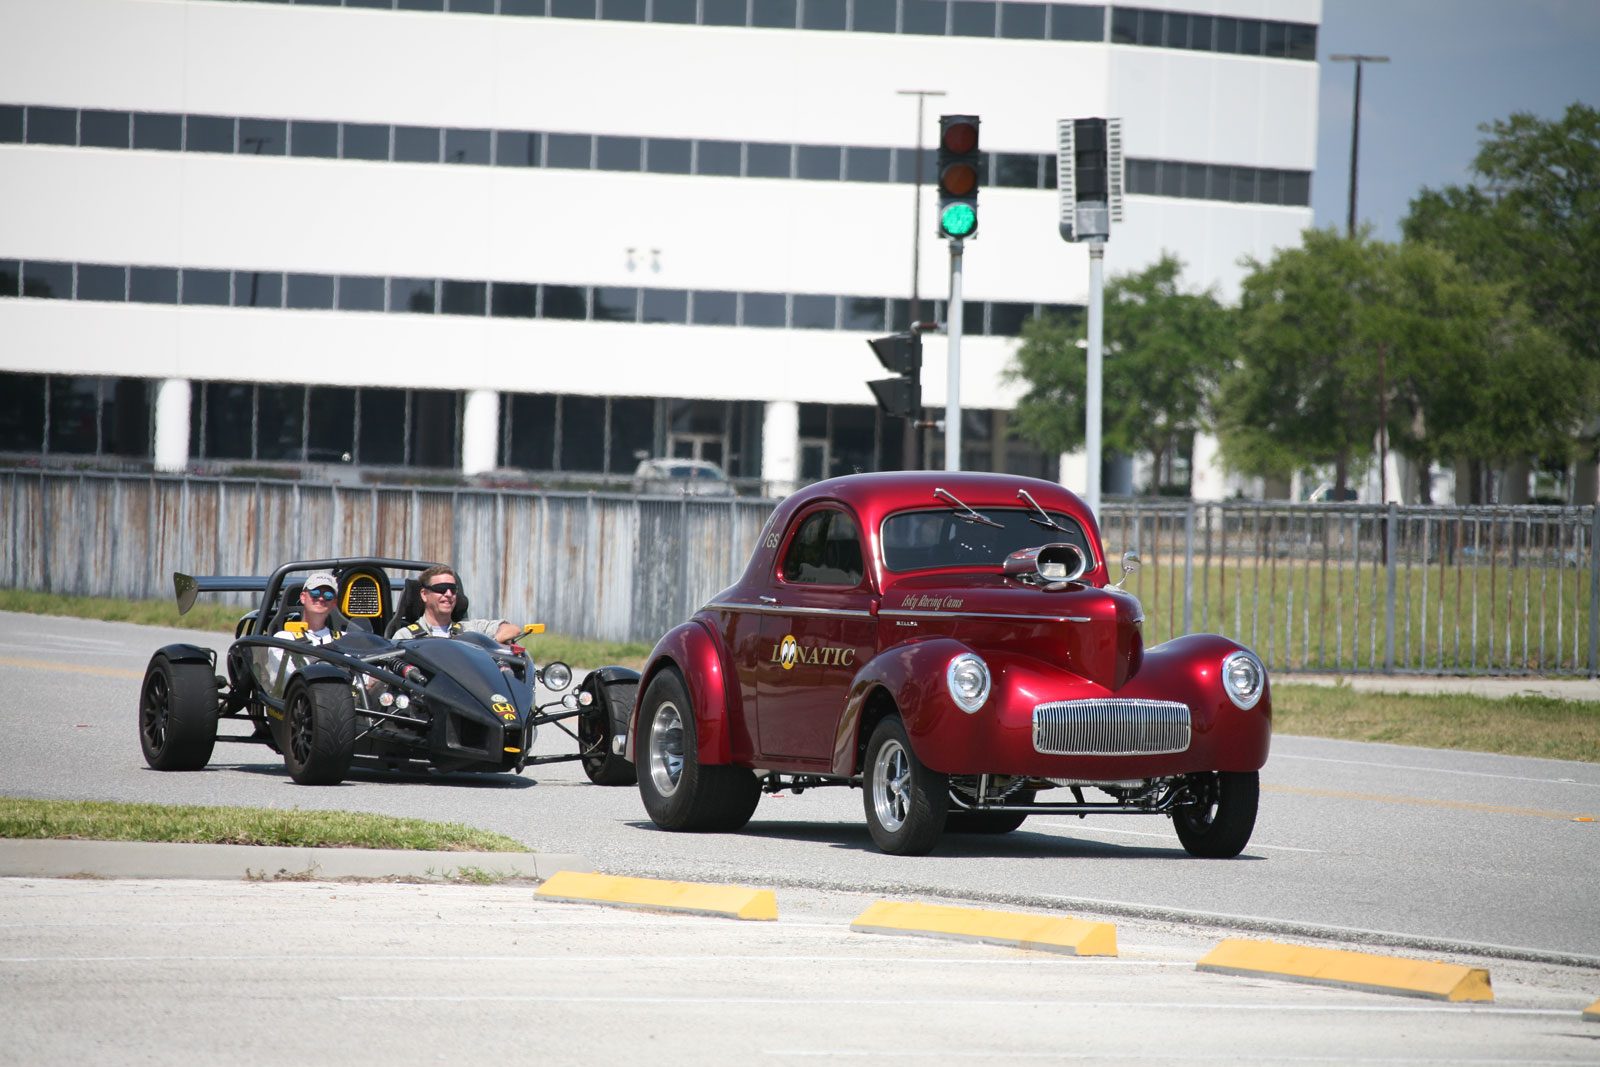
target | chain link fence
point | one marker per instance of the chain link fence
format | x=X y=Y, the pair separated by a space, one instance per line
x=1328 y=588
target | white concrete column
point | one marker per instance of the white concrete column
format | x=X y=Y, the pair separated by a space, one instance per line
x=780 y=448
x=480 y=432
x=1075 y=471
x=172 y=424
x=1207 y=479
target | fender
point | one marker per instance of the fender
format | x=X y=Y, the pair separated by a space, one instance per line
x=616 y=689
x=696 y=653
x=187 y=654
x=320 y=671
x=913 y=676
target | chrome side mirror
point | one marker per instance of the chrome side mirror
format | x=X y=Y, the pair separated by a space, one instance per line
x=1130 y=567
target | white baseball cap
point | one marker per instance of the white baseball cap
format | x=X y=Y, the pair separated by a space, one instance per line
x=322 y=580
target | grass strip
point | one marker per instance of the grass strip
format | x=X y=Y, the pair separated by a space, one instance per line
x=1523 y=725
x=94 y=820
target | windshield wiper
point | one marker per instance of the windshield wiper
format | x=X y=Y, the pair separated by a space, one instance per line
x=1042 y=519
x=966 y=512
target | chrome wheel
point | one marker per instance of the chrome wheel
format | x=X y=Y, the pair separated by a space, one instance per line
x=666 y=749
x=891 y=781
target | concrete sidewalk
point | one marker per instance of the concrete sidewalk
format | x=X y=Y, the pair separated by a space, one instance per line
x=140 y=859
x=1497 y=686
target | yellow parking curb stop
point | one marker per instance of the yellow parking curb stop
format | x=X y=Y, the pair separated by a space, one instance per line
x=1075 y=937
x=1592 y=1012
x=1354 y=970
x=732 y=901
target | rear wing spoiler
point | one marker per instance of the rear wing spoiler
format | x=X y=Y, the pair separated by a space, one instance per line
x=187 y=587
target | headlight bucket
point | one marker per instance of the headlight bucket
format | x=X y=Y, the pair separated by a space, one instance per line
x=1244 y=679
x=967 y=678
x=556 y=676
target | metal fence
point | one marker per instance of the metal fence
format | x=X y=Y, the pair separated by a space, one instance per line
x=1344 y=588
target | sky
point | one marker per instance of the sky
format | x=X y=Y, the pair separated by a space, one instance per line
x=1454 y=64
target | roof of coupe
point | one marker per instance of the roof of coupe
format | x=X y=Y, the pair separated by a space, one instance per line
x=874 y=496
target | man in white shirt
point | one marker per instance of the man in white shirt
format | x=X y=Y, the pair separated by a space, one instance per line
x=314 y=628
x=440 y=589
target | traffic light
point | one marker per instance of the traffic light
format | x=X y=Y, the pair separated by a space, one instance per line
x=960 y=167
x=1089 y=177
x=901 y=354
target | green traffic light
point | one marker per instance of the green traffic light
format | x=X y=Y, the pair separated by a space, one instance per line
x=958 y=220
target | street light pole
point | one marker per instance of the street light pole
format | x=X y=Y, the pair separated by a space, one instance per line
x=1361 y=60
x=911 y=445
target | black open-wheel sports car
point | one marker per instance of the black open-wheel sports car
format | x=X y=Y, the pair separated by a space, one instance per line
x=462 y=703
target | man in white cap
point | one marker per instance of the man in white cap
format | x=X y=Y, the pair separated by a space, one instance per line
x=316 y=605
x=314 y=627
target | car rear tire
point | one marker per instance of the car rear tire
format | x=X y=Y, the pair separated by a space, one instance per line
x=319 y=731
x=906 y=803
x=680 y=792
x=603 y=766
x=177 y=715
x=1218 y=824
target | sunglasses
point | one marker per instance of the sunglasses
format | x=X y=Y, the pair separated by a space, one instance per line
x=320 y=594
x=443 y=588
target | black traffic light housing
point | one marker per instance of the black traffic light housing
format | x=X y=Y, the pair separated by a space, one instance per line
x=901 y=354
x=1089 y=177
x=960 y=170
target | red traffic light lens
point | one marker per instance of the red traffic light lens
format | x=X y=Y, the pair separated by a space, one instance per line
x=960 y=137
x=958 y=179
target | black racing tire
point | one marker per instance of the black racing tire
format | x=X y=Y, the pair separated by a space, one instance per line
x=603 y=766
x=1218 y=824
x=319 y=731
x=680 y=792
x=906 y=803
x=177 y=714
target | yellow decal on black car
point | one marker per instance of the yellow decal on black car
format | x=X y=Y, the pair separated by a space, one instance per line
x=505 y=711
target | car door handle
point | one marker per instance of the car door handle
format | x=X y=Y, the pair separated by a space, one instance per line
x=767 y=599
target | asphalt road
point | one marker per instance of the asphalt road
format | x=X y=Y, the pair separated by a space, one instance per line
x=192 y=974
x=1424 y=845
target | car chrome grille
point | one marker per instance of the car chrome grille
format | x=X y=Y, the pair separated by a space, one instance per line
x=1113 y=726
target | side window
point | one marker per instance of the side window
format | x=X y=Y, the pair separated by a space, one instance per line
x=825 y=550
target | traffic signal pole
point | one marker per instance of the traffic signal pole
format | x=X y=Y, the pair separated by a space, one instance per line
x=952 y=400
x=1093 y=394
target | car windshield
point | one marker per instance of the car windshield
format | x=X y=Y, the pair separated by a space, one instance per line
x=934 y=539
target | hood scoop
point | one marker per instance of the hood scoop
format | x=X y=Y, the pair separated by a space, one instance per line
x=1050 y=567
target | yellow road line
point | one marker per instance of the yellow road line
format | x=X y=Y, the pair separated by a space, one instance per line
x=70 y=668
x=1426 y=802
x=732 y=901
x=1352 y=970
x=1050 y=933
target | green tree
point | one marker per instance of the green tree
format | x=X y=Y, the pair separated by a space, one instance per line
x=1165 y=350
x=1531 y=218
x=1305 y=389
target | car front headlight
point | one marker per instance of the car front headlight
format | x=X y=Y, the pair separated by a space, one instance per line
x=556 y=676
x=968 y=680
x=1244 y=679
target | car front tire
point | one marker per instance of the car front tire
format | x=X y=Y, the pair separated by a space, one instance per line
x=680 y=792
x=906 y=803
x=603 y=766
x=1218 y=824
x=319 y=731
x=177 y=715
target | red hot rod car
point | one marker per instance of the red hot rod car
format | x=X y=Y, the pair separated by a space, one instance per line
x=953 y=645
